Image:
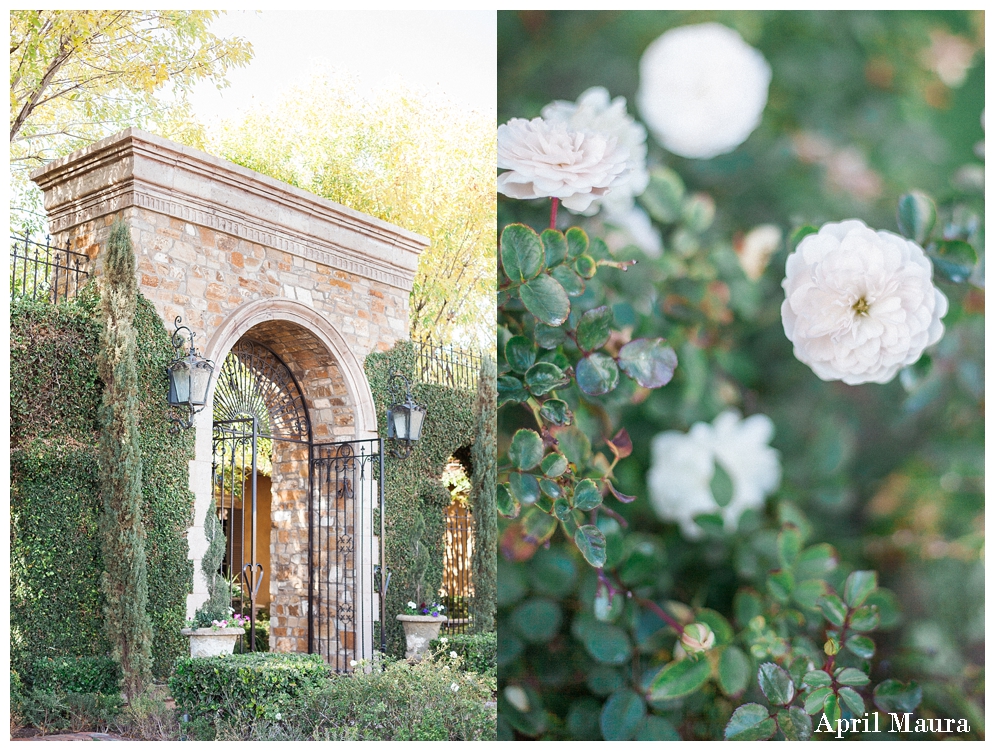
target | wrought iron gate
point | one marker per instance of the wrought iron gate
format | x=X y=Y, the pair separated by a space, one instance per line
x=258 y=409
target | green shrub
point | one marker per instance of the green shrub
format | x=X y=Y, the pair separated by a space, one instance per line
x=395 y=701
x=243 y=687
x=76 y=675
x=479 y=651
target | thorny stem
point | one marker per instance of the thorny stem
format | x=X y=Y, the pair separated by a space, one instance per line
x=663 y=615
x=552 y=213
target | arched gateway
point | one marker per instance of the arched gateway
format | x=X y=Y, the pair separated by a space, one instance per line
x=290 y=293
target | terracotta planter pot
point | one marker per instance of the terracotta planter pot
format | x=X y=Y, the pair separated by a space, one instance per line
x=209 y=642
x=419 y=630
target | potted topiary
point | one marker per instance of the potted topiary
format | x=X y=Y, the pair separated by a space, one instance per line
x=421 y=625
x=213 y=630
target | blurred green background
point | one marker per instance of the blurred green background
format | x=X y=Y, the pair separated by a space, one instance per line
x=863 y=107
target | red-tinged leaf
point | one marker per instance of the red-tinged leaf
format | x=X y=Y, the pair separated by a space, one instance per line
x=514 y=546
x=621 y=444
x=620 y=496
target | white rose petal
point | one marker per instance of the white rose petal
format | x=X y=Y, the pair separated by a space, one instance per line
x=683 y=465
x=453 y=655
x=860 y=305
x=412 y=604
x=596 y=112
x=757 y=247
x=548 y=160
x=702 y=90
x=454 y=687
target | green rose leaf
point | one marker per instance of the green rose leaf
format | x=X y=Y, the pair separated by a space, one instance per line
x=606 y=643
x=521 y=253
x=561 y=506
x=895 y=696
x=544 y=377
x=816 y=562
x=572 y=284
x=750 y=722
x=506 y=504
x=721 y=486
x=699 y=212
x=831 y=708
x=680 y=679
x=789 y=545
x=556 y=411
x=657 y=729
x=664 y=195
x=816 y=700
x=549 y=337
x=586 y=495
x=510 y=389
x=807 y=593
x=955 y=259
x=853 y=700
x=649 y=362
x=817 y=679
x=852 y=677
x=622 y=715
x=550 y=489
x=585 y=266
x=886 y=604
x=781 y=584
x=524 y=488
x=537 y=620
x=916 y=216
x=577 y=242
x=833 y=608
x=800 y=234
x=591 y=542
x=546 y=299
x=865 y=618
x=776 y=683
x=595 y=328
x=596 y=374
x=526 y=449
x=554 y=465
x=795 y=724
x=858 y=585
x=734 y=671
x=861 y=646
x=555 y=245
x=520 y=353
x=538 y=525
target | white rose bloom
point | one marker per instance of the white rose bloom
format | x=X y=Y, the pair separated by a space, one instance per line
x=633 y=227
x=860 y=305
x=679 y=480
x=596 y=112
x=702 y=90
x=454 y=687
x=549 y=160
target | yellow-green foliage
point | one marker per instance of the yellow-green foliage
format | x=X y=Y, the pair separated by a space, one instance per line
x=415 y=497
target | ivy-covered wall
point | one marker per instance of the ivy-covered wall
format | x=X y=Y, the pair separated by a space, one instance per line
x=56 y=605
x=414 y=495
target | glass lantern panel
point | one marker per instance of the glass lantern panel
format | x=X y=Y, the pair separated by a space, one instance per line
x=400 y=415
x=179 y=376
x=417 y=417
x=200 y=379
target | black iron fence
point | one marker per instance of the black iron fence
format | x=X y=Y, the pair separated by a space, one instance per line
x=45 y=272
x=457 y=563
x=446 y=365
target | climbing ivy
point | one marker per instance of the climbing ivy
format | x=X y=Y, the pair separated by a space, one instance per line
x=56 y=605
x=415 y=497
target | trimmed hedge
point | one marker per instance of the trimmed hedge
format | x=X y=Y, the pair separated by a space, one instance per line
x=56 y=608
x=76 y=675
x=414 y=494
x=394 y=701
x=246 y=686
x=479 y=651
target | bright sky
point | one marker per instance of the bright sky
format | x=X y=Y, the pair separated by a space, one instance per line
x=452 y=52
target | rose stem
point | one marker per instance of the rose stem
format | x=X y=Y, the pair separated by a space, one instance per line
x=552 y=213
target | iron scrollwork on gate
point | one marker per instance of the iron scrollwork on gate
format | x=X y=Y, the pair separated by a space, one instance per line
x=260 y=411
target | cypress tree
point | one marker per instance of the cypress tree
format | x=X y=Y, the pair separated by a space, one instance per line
x=483 y=499
x=125 y=579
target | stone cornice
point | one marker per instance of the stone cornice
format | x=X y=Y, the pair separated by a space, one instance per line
x=134 y=168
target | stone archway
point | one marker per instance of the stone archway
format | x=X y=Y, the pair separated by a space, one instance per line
x=233 y=252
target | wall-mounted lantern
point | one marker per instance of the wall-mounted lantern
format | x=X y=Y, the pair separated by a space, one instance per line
x=404 y=419
x=189 y=377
